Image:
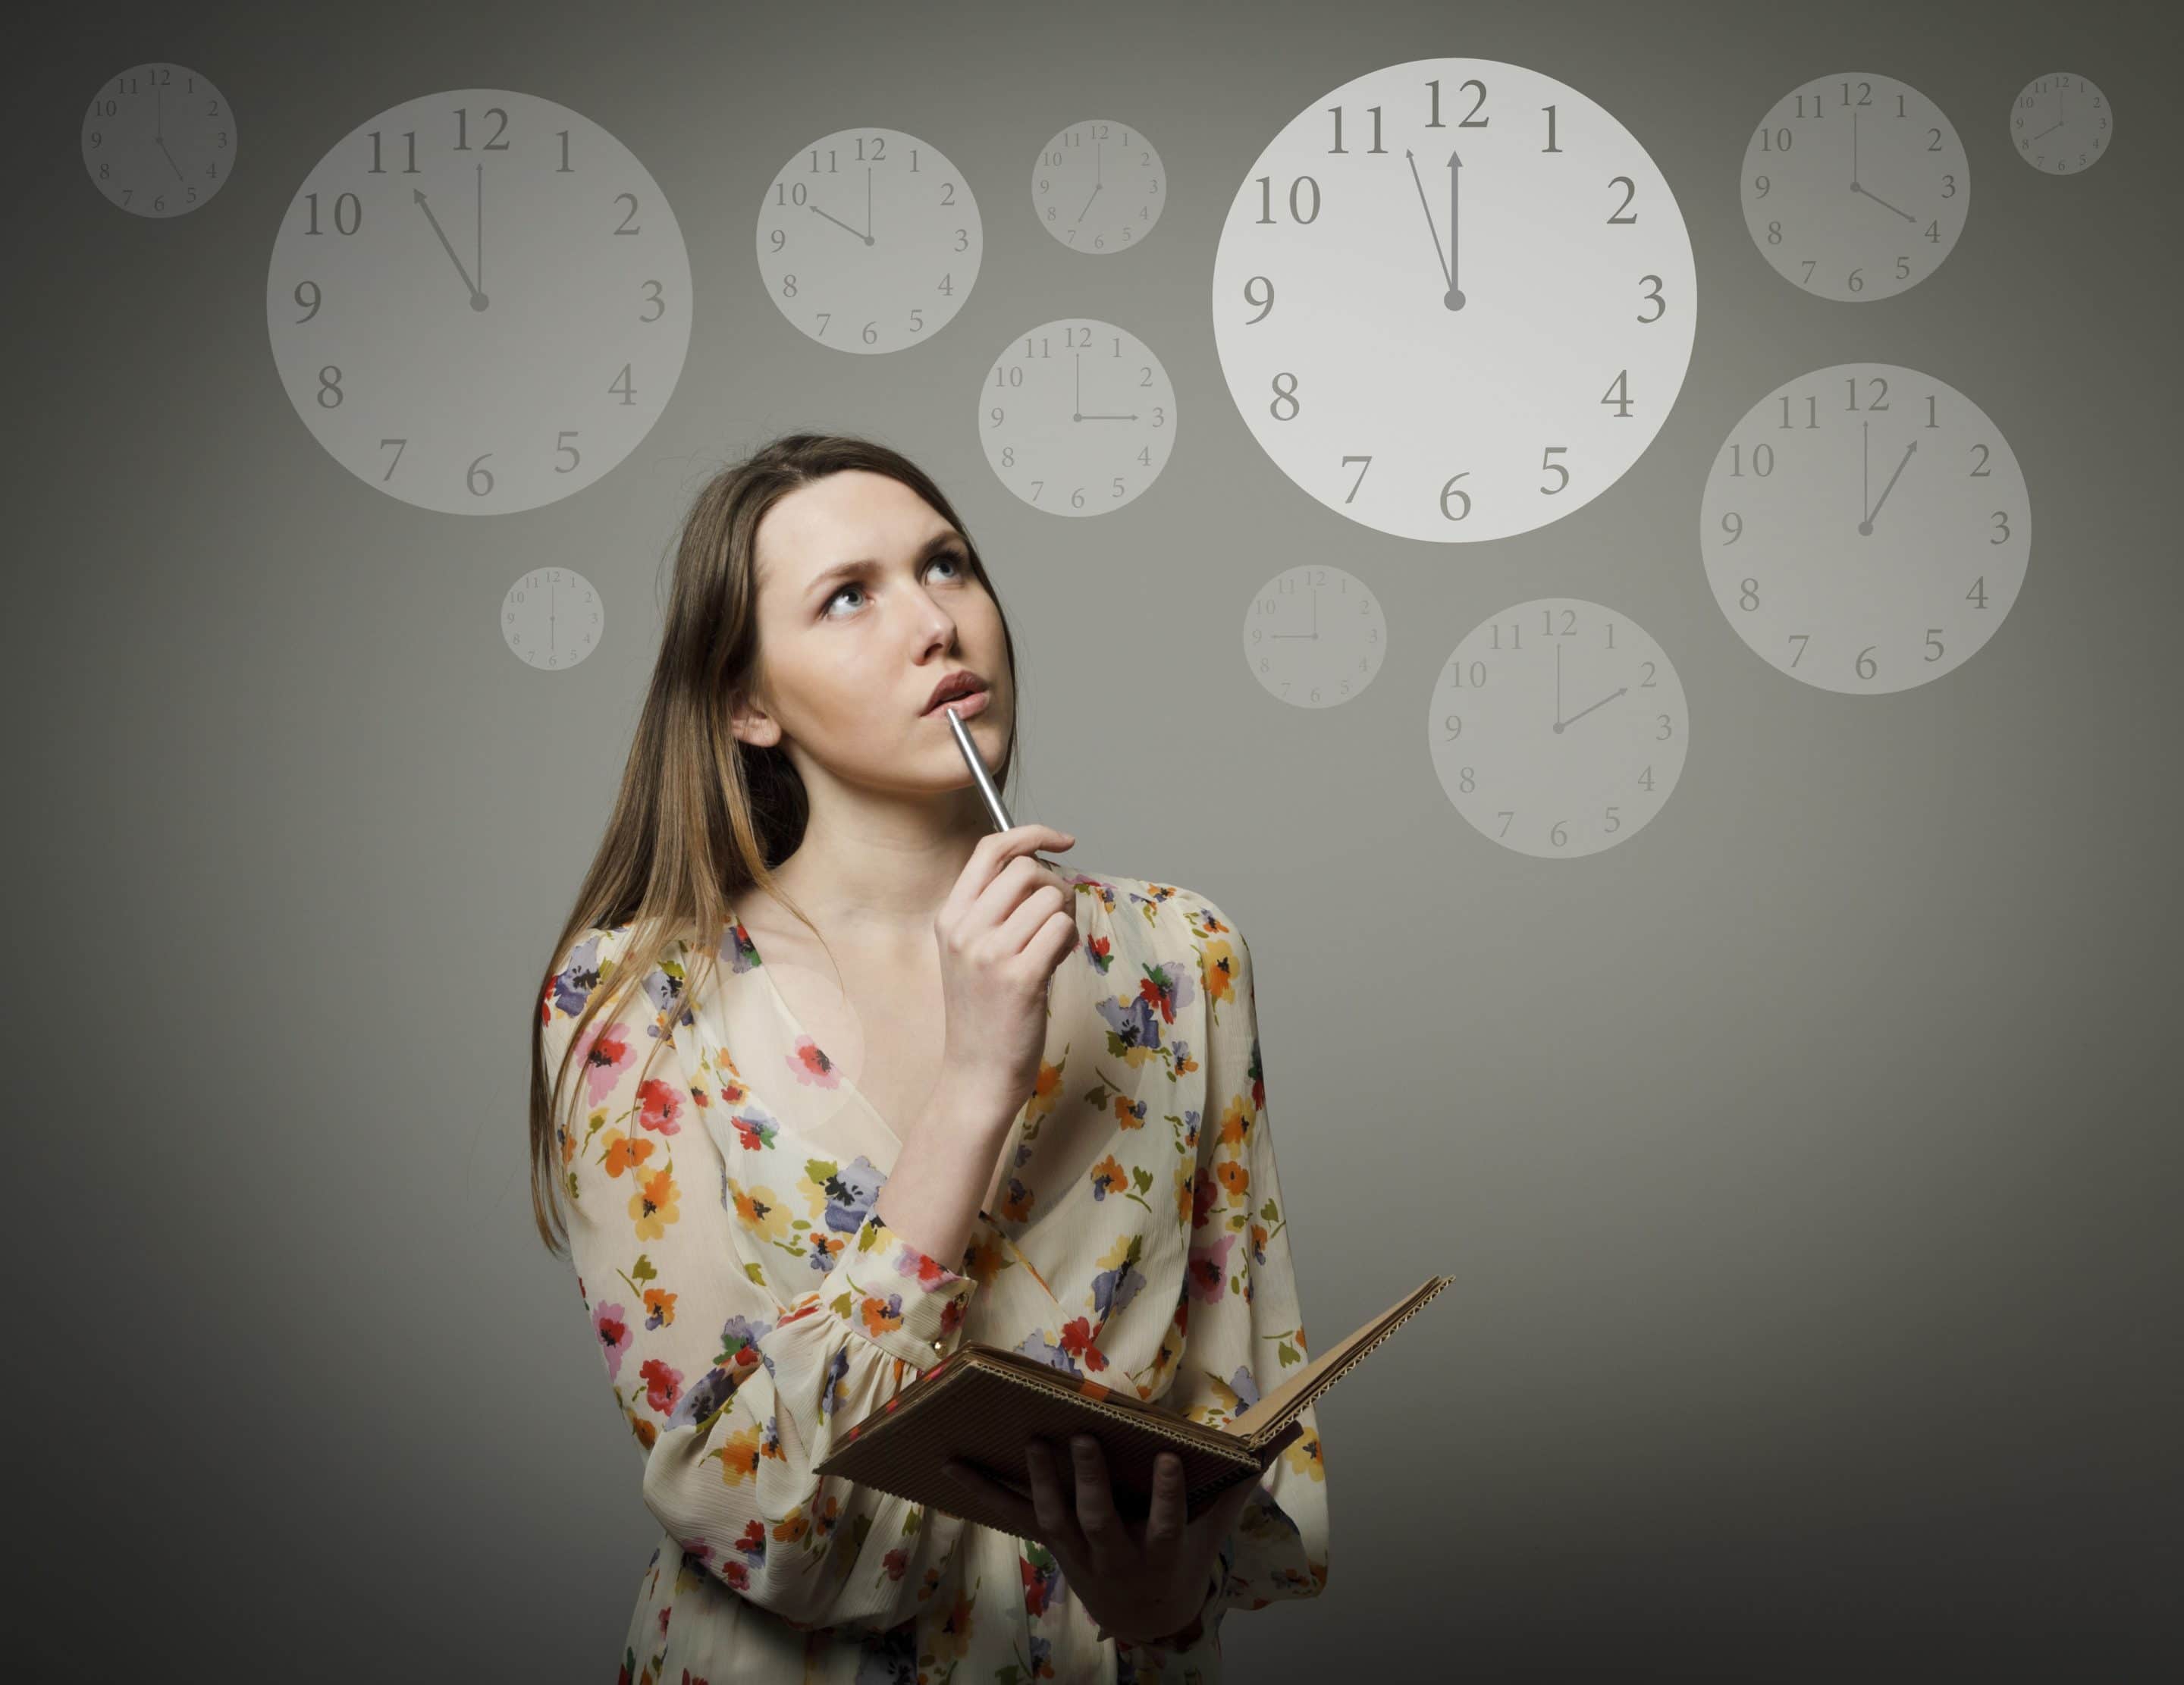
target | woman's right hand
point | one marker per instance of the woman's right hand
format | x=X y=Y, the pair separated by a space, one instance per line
x=1004 y=929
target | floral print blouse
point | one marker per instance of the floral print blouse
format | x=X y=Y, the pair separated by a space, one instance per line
x=749 y=1306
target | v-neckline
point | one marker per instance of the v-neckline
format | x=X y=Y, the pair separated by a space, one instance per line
x=788 y=1014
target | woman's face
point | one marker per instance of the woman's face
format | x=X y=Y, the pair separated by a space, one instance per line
x=848 y=656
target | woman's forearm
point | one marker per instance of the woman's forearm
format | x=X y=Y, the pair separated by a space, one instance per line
x=931 y=1197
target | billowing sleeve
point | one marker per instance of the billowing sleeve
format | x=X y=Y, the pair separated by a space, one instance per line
x=1244 y=1334
x=731 y=1395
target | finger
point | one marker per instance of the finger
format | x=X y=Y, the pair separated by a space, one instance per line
x=1059 y=1531
x=1018 y=1511
x=1095 y=1500
x=1164 y=1520
x=993 y=852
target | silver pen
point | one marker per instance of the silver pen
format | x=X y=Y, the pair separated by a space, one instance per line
x=995 y=805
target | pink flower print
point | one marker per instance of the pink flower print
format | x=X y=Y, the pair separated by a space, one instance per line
x=662 y=1386
x=660 y=1106
x=1206 y=1269
x=810 y=1066
x=613 y=1329
x=607 y=1052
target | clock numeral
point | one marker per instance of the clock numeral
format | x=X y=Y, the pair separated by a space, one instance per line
x=564 y=169
x=400 y=446
x=1617 y=395
x=1646 y=779
x=1880 y=402
x=477 y=473
x=1775 y=140
x=311 y=302
x=658 y=298
x=349 y=213
x=2001 y=524
x=1265 y=202
x=1982 y=472
x=560 y=448
x=1733 y=524
x=1864 y=94
x=1935 y=145
x=409 y=169
x=1477 y=670
x=1977 y=595
x=1857 y=282
x=1934 y=643
x=1615 y=821
x=463 y=130
x=1338 y=147
x=1800 y=639
x=1444 y=492
x=1549 y=467
x=1466 y=779
x=1264 y=305
x=1902 y=268
x=1550 y=146
x=1654 y=298
x=1812 y=412
x=622 y=384
x=330 y=379
x=1748 y=594
x=1360 y=480
x=1454 y=726
x=1934 y=231
x=1630 y=192
x=1763 y=460
x=1865 y=666
x=627 y=226
x=1284 y=396
x=1667 y=730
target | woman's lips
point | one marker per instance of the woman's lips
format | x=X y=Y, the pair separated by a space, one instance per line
x=965 y=707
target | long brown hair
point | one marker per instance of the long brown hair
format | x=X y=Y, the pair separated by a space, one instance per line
x=701 y=815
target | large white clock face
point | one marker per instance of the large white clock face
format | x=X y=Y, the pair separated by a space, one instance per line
x=479 y=301
x=1865 y=528
x=1558 y=728
x=2060 y=123
x=1315 y=637
x=1078 y=416
x=1855 y=186
x=1098 y=187
x=1454 y=299
x=552 y=617
x=869 y=240
x=159 y=140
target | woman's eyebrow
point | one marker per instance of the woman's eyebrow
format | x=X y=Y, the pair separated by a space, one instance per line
x=841 y=569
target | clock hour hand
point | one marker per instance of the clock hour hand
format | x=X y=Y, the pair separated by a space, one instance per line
x=169 y=157
x=1856 y=186
x=417 y=198
x=1865 y=526
x=838 y=223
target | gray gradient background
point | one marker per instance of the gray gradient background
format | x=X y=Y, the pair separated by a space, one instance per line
x=1805 y=1166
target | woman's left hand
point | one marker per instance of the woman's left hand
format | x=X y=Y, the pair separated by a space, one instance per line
x=1141 y=1581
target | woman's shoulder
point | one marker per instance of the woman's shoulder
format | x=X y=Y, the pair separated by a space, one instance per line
x=1167 y=912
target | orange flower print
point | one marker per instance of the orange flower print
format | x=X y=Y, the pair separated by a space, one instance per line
x=656 y=1204
x=1077 y=1341
x=1217 y=967
x=619 y=1152
x=738 y=1455
x=1108 y=1175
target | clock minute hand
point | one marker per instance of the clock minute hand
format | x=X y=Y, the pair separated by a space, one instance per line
x=417 y=198
x=838 y=223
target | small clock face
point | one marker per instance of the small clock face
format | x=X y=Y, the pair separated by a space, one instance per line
x=869 y=240
x=1078 y=416
x=159 y=140
x=1856 y=187
x=1315 y=637
x=1098 y=187
x=479 y=302
x=1558 y=728
x=1454 y=299
x=2060 y=123
x=552 y=617
x=1865 y=528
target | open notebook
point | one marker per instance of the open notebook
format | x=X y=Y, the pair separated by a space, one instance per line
x=983 y=1404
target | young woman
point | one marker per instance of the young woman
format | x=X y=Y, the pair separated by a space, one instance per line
x=806 y=1154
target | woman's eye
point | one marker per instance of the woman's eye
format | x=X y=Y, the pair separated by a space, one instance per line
x=952 y=560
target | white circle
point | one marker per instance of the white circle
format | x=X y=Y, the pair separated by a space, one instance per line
x=1078 y=416
x=1454 y=396
x=1855 y=186
x=2061 y=124
x=159 y=140
x=1098 y=187
x=1314 y=637
x=1558 y=728
x=1865 y=528
x=494 y=290
x=869 y=240
x=552 y=617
